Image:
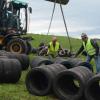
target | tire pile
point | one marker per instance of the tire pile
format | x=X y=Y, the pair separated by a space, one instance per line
x=68 y=79
x=11 y=66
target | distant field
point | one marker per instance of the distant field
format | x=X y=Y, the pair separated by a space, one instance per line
x=63 y=41
x=18 y=91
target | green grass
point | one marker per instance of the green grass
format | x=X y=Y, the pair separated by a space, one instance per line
x=18 y=91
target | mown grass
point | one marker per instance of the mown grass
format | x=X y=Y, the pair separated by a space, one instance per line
x=18 y=91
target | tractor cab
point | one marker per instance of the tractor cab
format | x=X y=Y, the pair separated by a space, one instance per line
x=20 y=11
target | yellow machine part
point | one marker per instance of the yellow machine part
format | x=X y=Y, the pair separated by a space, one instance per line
x=1 y=40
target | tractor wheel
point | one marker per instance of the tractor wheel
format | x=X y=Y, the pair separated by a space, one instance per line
x=17 y=45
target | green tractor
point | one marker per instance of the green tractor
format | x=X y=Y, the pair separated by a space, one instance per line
x=13 y=26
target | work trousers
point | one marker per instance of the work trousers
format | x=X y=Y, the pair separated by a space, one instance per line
x=97 y=61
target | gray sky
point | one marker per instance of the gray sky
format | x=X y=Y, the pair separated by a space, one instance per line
x=81 y=16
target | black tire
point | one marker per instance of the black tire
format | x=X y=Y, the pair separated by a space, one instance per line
x=38 y=60
x=82 y=98
x=23 y=58
x=62 y=1
x=2 y=51
x=40 y=79
x=68 y=62
x=29 y=47
x=93 y=88
x=3 y=57
x=65 y=87
x=17 y=45
x=87 y=65
x=10 y=70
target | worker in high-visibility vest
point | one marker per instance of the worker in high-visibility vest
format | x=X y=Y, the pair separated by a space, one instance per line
x=54 y=47
x=91 y=48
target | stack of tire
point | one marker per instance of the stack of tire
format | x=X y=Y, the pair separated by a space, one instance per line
x=71 y=84
x=11 y=66
x=67 y=78
x=39 y=80
x=22 y=58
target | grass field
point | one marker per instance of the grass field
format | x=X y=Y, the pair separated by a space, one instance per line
x=18 y=91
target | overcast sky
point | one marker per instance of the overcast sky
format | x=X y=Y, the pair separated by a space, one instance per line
x=81 y=16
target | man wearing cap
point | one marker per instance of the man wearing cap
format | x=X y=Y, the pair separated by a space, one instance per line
x=54 y=47
x=92 y=49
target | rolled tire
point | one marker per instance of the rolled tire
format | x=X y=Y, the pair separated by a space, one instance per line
x=39 y=80
x=37 y=61
x=68 y=62
x=93 y=88
x=87 y=65
x=3 y=57
x=10 y=70
x=23 y=58
x=64 y=84
x=17 y=45
x=2 y=51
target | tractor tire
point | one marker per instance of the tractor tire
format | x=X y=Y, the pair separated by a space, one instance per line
x=17 y=45
x=65 y=86
x=10 y=70
x=39 y=80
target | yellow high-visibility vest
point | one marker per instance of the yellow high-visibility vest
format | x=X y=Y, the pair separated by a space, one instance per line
x=89 y=48
x=52 y=49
